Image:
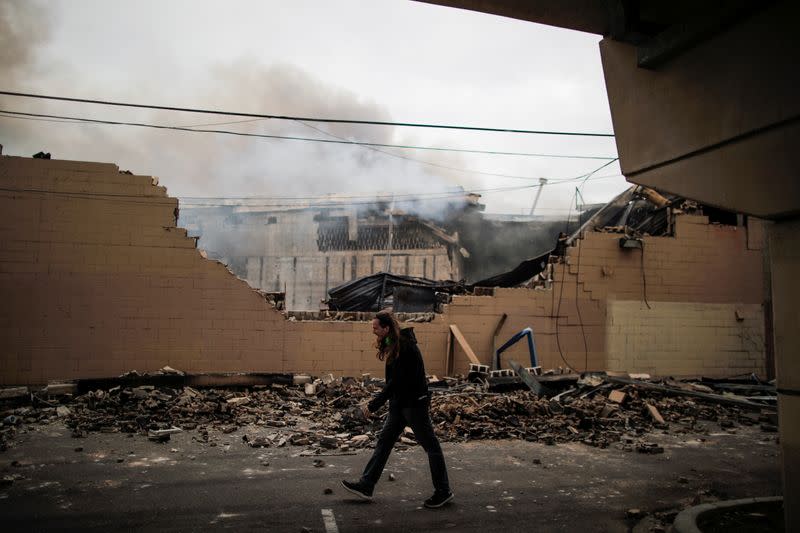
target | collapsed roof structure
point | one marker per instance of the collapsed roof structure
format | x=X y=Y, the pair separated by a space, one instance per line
x=301 y=249
x=636 y=212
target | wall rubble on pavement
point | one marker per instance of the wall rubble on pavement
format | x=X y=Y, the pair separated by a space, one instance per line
x=97 y=280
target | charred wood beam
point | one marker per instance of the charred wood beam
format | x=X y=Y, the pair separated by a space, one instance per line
x=713 y=398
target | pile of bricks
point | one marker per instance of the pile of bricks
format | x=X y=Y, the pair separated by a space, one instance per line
x=325 y=415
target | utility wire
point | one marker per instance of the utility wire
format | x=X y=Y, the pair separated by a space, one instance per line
x=276 y=201
x=447 y=167
x=377 y=196
x=307 y=119
x=79 y=120
x=332 y=203
x=564 y=269
x=341 y=140
x=458 y=150
x=369 y=197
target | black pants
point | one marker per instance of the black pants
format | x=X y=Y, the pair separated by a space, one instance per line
x=418 y=419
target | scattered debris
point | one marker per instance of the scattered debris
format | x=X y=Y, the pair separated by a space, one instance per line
x=170 y=370
x=596 y=409
x=649 y=447
x=13 y=392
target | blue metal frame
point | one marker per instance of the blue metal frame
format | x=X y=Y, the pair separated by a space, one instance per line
x=527 y=332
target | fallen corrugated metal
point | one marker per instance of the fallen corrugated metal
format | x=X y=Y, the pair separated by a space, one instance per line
x=371 y=293
x=525 y=271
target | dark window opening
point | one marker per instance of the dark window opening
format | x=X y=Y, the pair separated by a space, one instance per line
x=720 y=216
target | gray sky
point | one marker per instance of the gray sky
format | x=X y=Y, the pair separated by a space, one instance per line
x=386 y=60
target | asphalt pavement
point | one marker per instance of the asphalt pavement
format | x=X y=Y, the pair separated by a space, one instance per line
x=110 y=481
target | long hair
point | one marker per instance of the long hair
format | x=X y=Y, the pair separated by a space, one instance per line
x=389 y=347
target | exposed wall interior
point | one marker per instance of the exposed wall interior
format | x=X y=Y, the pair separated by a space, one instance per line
x=305 y=250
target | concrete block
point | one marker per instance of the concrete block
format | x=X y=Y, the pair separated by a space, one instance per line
x=59 y=389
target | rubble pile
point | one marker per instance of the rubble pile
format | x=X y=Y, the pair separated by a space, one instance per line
x=324 y=415
x=596 y=419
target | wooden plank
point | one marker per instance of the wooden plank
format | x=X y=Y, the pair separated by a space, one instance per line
x=464 y=344
x=449 y=364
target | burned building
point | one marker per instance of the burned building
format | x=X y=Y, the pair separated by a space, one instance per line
x=300 y=250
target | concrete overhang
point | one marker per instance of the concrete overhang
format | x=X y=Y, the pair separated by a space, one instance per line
x=702 y=95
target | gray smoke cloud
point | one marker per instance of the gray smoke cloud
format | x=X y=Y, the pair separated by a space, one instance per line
x=23 y=27
x=204 y=164
x=210 y=165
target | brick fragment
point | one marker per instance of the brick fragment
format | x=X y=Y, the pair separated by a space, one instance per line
x=654 y=414
x=617 y=396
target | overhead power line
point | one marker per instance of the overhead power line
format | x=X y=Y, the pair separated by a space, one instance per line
x=384 y=196
x=340 y=140
x=370 y=146
x=307 y=119
x=448 y=167
x=274 y=202
x=401 y=197
x=270 y=201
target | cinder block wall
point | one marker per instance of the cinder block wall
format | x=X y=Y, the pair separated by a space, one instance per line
x=679 y=338
x=704 y=287
x=97 y=280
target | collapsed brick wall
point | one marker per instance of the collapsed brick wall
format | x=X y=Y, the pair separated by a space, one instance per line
x=96 y=280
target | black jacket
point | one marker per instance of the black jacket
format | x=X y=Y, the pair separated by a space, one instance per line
x=406 y=385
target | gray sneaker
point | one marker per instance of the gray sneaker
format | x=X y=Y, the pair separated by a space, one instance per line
x=359 y=488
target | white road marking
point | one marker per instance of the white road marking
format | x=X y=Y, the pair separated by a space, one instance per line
x=330 y=521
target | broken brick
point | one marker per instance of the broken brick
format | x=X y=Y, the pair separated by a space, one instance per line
x=654 y=414
x=616 y=396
